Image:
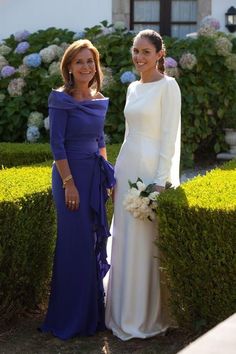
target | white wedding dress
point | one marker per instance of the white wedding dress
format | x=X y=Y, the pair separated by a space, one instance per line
x=151 y=150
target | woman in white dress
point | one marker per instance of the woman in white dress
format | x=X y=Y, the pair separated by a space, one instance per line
x=151 y=151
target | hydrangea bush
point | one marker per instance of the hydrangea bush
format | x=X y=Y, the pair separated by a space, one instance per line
x=29 y=68
x=203 y=66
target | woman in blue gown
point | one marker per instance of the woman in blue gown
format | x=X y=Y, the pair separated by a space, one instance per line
x=81 y=176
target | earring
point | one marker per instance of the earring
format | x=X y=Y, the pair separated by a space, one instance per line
x=70 y=78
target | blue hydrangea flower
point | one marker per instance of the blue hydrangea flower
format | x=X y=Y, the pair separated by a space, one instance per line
x=22 y=47
x=32 y=134
x=7 y=71
x=21 y=35
x=78 y=35
x=127 y=77
x=32 y=60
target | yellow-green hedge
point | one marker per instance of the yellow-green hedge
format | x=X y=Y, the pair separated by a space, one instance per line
x=27 y=225
x=27 y=234
x=18 y=154
x=198 y=242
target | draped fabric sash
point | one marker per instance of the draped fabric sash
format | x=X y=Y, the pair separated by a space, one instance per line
x=103 y=179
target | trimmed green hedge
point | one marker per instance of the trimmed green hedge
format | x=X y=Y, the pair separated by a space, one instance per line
x=27 y=235
x=27 y=226
x=18 y=154
x=198 y=243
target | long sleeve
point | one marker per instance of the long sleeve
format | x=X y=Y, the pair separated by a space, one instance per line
x=170 y=135
x=101 y=141
x=126 y=124
x=58 y=122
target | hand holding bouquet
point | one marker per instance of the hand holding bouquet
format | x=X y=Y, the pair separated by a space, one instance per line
x=141 y=200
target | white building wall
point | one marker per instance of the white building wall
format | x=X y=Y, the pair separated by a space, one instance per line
x=32 y=15
x=219 y=8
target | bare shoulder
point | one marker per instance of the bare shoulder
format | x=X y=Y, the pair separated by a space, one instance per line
x=98 y=95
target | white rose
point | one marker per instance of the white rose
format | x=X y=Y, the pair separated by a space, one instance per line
x=135 y=192
x=153 y=195
x=141 y=186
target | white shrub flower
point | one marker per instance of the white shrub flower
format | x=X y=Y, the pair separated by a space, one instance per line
x=4 y=49
x=207 y=31
x=173 y=72
x=54 y=68
x=15 y=87
x=230 y=62
x=46 y=123
x=35 y=119
x=187 y=61
x=223 y=46
x=3 y=61
x=23 y=70
x=119 y=25
x=47 y=55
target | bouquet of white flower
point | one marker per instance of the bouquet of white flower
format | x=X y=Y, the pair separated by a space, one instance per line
x=141 y=200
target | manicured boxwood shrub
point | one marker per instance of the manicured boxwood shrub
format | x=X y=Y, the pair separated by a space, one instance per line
x=198 y=243
x=18 y=154
x=27 y=225
x=27 y=235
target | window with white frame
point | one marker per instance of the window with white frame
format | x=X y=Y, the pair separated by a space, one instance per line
x=174 y=18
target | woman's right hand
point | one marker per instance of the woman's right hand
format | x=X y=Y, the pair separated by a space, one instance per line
x=72 y=199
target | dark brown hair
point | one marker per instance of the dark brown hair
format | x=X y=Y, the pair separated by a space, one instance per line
x=68 y=57
x=154 y=38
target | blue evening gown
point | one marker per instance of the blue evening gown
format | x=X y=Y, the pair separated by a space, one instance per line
x=76 y=304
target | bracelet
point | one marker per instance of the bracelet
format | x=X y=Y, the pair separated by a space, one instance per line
x=65 y=180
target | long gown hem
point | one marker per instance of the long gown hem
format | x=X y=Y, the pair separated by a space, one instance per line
x=125 y=336
x=63 y=337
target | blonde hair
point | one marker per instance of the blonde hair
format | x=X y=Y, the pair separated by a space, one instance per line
x=68 y=57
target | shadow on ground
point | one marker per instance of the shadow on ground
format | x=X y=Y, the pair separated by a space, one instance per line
x=23 y=338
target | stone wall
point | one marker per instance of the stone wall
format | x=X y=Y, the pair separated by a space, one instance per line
x=204 y=9
x=121 y=11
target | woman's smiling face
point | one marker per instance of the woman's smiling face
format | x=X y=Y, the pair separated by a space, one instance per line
x=144 y=55
x=83 y=66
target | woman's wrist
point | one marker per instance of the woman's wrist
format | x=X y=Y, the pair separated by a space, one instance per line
x=67 y=180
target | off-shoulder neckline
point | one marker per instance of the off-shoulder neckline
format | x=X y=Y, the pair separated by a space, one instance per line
x=80 y=101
